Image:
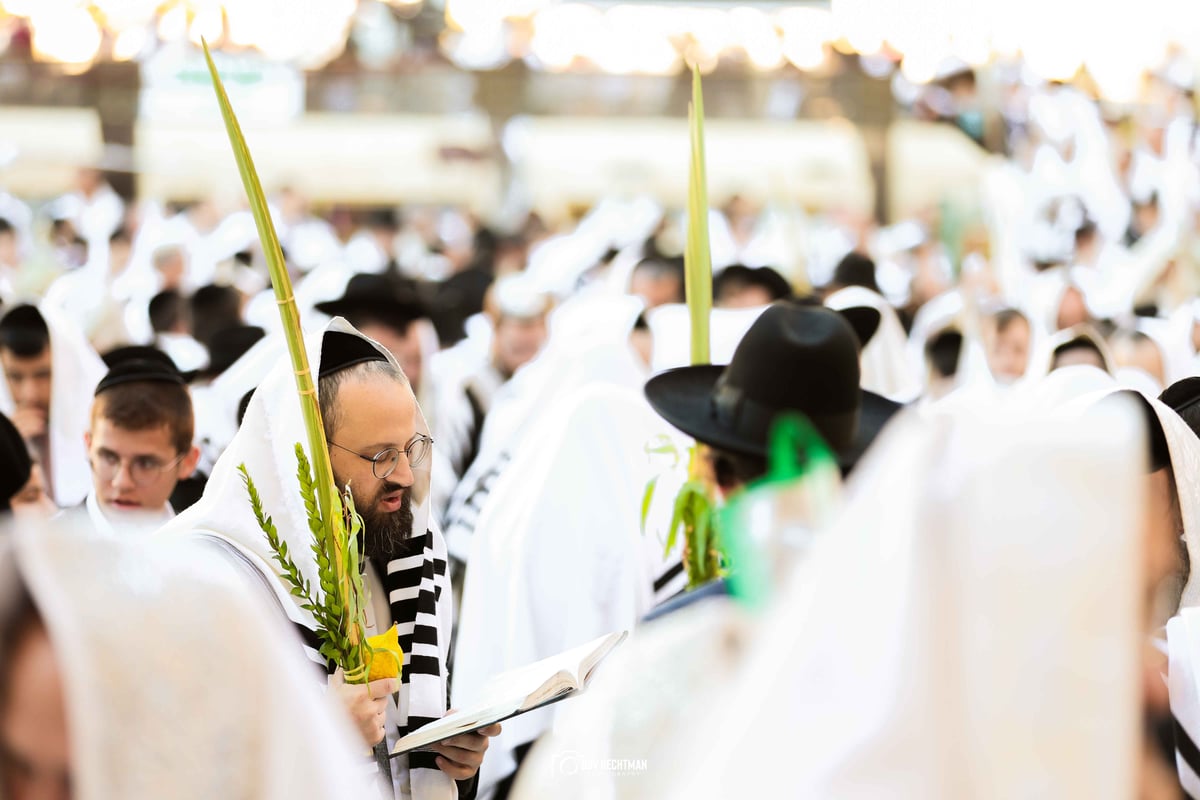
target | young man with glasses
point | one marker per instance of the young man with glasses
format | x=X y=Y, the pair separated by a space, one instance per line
x=140 y=442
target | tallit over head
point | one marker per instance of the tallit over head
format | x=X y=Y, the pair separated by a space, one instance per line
x=75 y=371
x=885 y=369
x=176 y=679
x=266 y=443
x=969 y=626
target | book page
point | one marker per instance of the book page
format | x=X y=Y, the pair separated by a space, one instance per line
x=560 y=670
x=454 y=724
x=517 y=691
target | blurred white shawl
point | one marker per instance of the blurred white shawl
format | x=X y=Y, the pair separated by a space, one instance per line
x=969 y=627
x=75 y=371
x=885 y=367
x=178 y=683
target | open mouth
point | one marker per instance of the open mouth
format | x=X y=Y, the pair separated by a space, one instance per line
x=392 y=502
x=124 y=504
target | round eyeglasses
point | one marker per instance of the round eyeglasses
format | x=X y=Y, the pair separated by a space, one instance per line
x=384 y=462
x=143 y=470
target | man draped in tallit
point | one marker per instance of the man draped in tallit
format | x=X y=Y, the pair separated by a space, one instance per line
x=968 y=626
x=374 y=427
x=149 y=672
x=35 y=341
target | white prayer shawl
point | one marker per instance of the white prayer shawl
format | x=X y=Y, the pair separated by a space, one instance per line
x=588 y=344
x=187 y=353
x=75 y=371
x=884 y=367
x=1183 y=683
x=265 y=443
x=926 y=649
x=113 y=522
x=941 y=313
x=1041 y=360
x=557 y=555
x=614 y=742
x=174 y=676
x=671 y=328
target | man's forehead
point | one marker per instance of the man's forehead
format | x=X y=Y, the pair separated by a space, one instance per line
x=154 y=440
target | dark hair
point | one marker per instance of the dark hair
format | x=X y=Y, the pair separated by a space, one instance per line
x=6 y=226
x=738 y=277
x=1005 y=317
x=214 y=308
x=144 y=405
x=855 y=269
x=167 y=309
x=943 y=351
x=23 y=331
x=660 y=268
x=121 y=234
x=735 y=469
x=1078 y=343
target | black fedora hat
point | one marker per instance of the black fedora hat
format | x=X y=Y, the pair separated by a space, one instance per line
x=383 y=298
x=227 y=345
x=794 y=358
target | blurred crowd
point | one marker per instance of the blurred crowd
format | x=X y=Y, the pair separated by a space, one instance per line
x=1022 y=370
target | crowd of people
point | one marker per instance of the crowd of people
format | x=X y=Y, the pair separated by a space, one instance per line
x=995 y=599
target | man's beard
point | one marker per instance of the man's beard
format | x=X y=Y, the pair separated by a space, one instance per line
x=384 y=532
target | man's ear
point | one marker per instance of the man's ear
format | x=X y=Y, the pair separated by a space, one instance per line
x=188 y=464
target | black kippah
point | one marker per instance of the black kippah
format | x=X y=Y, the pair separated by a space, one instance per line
x=342 y=350
x=1182 y=394
x=140 y=370
x=15 y=463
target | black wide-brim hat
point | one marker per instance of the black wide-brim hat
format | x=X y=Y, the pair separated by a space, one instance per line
x=383 y=297
x=794 y=358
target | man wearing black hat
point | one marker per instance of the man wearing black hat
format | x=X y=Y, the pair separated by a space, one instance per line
x=385 y=308
x=793 y=359
x=140 y=440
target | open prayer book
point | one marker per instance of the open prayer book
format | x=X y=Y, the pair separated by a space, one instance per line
x=518 y=691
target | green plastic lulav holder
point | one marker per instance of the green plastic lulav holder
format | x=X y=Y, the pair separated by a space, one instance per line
x=773 y=518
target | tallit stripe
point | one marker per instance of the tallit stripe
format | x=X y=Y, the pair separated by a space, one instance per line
x=675 y=570
x=407 y=577
x=423 y=665
x=1186 y=748
x=424 y=634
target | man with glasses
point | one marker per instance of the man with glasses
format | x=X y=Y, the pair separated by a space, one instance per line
x=379 y=447
x=140 y=442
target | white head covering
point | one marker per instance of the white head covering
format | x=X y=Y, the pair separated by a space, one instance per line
x=75 y=371
x=884 y=367
x=671 y=328
x=557 y=557
x=177 y=684
x=266 y=444
x=942 y=641
x=588 y=344
x=1041 y=361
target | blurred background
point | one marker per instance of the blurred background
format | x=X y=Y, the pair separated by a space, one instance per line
x=520 y=116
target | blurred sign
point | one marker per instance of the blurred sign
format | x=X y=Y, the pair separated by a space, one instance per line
x=176 y=87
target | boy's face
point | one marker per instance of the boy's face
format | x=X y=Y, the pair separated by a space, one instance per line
x=28 y=379
x=135 y=470
x=1008 y=351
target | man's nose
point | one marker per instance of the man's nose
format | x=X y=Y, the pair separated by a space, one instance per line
x=403 y=473
x=123 y=477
